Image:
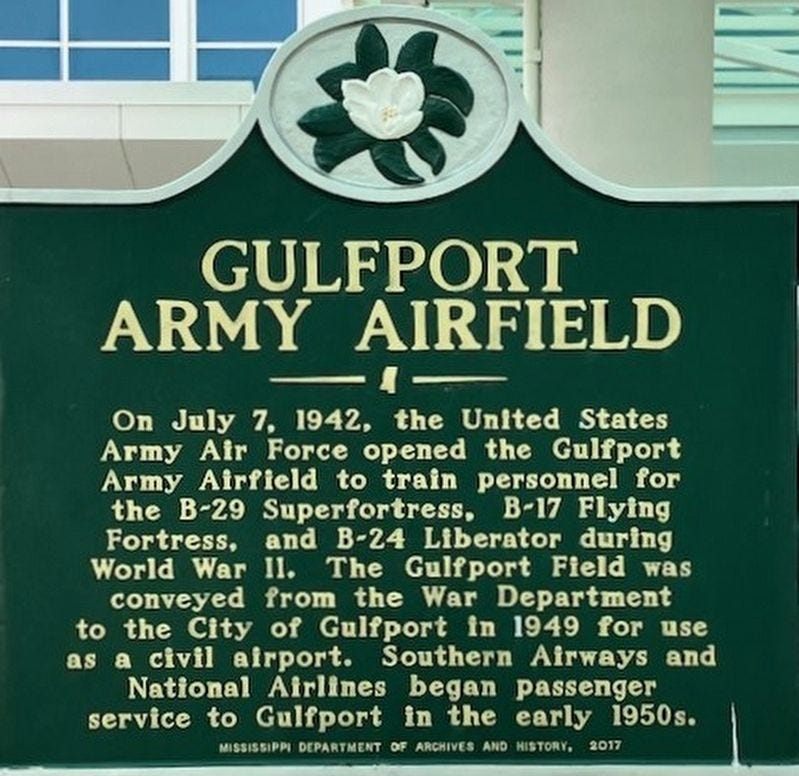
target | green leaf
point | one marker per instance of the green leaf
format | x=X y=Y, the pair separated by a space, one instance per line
x=330 y=152
x=389 y=158
x=428 y=148
x=327 y=120
x=371 y=50
x=443 y=115
x=417 y=52
x=443 y=82
x=331 y=79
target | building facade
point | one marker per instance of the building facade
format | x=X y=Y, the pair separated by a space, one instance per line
x=132 y=93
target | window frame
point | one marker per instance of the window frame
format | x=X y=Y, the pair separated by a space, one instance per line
x=182 y=45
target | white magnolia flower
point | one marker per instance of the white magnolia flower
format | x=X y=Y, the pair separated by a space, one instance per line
x=387 y=105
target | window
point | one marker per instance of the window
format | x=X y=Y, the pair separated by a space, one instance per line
x=757 y=70
x=118 y=64
x=29 y=63
x=179 y=40
x=245 y=20
x=103 y=20
x=235 y=44
x=29 y=20
x=756 y=93
x=229 y=64
x=502 y=22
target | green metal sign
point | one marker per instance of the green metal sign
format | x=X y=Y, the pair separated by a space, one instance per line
x=389 y=441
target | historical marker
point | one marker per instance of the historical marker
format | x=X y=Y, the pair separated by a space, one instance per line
x=388 y=440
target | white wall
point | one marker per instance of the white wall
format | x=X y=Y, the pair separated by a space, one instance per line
x=627 y=87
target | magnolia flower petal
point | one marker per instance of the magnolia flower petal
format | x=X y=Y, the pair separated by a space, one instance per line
x=359 y=105
x=393 y=129
x=363 y=118
x=355 y=89
x=407 y=92
x=390 y=131
x=407 y=123
x=381 y=82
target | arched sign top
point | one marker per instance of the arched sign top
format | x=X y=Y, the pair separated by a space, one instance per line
x=388 y=106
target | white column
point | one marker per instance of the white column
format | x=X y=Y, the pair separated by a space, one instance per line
x=182 y=40
x=63 y=38
x=627 y=87
x=531 y=55
x=311 y=10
